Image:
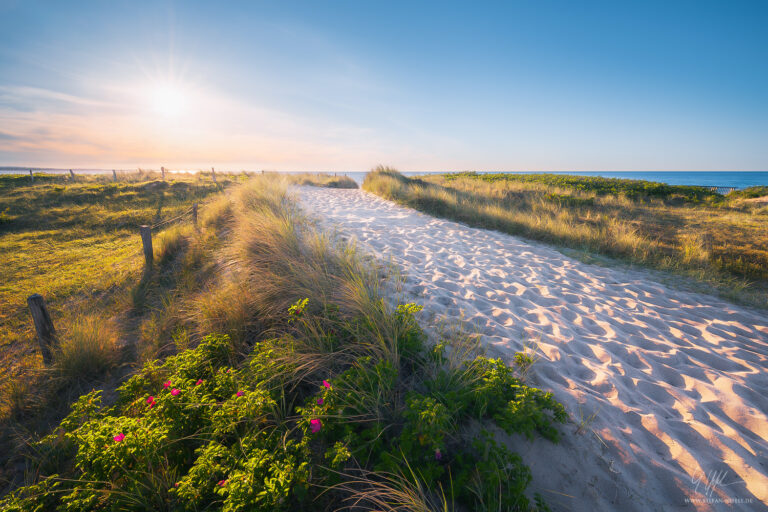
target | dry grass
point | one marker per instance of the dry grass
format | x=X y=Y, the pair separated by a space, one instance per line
x=322 y=180
x=376 y=492
x=722 y=245
x=87 y=348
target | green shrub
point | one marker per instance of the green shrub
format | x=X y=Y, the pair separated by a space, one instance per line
x=749 y=193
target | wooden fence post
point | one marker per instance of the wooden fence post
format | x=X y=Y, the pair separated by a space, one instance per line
x=31 y=176
x=162 y=170
x=71 y=175
x=146 y=241
x=114 y=175
x=213 y=174
x=46 y=334
x=194 y=214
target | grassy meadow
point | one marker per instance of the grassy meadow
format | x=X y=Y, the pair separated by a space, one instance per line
x=76 y=243
x=719 y=242
x=263 y=369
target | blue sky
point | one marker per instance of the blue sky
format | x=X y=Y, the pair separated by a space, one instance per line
x=417 y=85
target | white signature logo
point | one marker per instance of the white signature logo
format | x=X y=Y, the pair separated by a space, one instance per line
x=714 y=480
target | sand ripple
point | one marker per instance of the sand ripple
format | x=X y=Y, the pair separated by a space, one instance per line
x=678 y=380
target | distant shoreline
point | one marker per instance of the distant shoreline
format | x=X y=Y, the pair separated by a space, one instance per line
x=734 y=179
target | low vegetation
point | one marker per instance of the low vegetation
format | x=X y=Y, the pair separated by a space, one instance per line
x=323 y=180
x=76 y=243
x=599 y=186
x=276 y=376
x=719 y=241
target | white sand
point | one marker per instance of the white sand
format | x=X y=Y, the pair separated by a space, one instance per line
x=678 y=380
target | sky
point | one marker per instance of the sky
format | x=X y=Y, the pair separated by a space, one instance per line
x=419 y=86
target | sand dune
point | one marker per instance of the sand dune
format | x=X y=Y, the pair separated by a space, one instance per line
x=678 y=381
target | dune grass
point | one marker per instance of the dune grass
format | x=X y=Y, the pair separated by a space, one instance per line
x=322 y=180
x=283 y=380
x=719 y=242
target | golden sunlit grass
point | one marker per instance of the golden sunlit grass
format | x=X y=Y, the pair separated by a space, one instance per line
x=88 y=347
x=722 y=243
x=323 y=180
x=76 y=243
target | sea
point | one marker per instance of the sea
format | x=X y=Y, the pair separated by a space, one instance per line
x=726 y=179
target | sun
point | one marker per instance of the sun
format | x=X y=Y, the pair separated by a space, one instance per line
x=167 y=100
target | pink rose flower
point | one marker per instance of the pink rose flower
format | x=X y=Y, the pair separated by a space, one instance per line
x=175 y=392
x=320 y=401
x=315 y=425
x=222 y=483
x=239 y=393
x=327 y=384
x=167 y=384
x=119 y=437
x=199 y=381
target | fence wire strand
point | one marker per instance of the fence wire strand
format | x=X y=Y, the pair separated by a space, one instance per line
x=174 y=219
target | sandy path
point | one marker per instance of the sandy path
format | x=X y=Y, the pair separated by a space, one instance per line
x=678 y=380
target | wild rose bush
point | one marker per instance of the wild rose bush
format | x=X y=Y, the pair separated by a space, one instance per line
x=212 y=429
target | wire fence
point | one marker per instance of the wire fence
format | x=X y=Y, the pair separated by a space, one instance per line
x=182 y=215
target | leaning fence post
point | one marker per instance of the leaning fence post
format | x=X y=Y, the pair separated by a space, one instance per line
x=213 y=174
x=46 y=334
x=31 y=176
x=194 y=214
x=72 y=175
x=162 y=170
x=146 y=241
x=114 y=175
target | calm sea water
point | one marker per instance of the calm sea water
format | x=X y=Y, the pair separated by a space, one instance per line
x=709 y=179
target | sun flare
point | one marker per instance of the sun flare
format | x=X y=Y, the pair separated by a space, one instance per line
x=167 y=100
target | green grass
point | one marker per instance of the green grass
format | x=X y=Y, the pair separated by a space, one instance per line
x=718 y=243
x=277 y=377
x=75 y=243
x=599 y=185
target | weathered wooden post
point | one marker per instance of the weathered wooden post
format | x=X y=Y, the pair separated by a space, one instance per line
x=213 y=174
x=194 y=214
x=114 y=175
x=31 y=176
x=46 y=334
x=162 y=170
x=146 y=241
x=71 y=175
